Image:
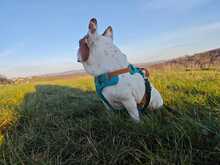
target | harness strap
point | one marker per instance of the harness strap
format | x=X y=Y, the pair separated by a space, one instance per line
x=146 y=98
x=118 y=72
x=112 y=78
x=147 y=74
x=125 y=70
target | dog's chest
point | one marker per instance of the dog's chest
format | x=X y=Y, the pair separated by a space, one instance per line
x=128 y=86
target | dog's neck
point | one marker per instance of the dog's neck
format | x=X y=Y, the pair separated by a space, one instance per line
x=104 y=57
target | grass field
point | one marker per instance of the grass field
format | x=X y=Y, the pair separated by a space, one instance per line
x=63 y=122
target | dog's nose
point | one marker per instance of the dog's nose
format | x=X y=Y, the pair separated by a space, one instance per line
x=78 y=56
x=78 y=59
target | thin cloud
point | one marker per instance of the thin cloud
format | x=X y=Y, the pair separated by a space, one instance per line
x=210 y=27
x=12 y=50
x=190 y=41
x=175 y=43
x=38 y=69
x=172 y=5
x=6 y=53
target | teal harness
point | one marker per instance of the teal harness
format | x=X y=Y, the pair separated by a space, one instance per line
x=104 y=80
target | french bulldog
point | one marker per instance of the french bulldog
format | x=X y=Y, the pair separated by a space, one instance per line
x=99 y=55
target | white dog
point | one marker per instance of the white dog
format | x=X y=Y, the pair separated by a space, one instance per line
x=124 y=85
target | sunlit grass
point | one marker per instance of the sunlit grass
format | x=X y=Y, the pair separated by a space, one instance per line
x=62 y=121
x=7 y=118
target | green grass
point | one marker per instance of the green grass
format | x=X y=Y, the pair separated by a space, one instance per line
x=63 y=122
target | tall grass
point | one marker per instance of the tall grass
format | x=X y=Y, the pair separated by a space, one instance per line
x=63 y=122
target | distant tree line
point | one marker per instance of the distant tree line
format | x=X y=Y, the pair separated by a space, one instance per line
x=4 y=80
x=205 y=60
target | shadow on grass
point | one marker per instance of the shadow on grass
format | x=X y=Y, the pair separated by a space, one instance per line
x=54 y=99
x=58 y=124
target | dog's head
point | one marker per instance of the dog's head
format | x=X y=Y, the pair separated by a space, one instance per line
x=89 y=41
x=97 y=53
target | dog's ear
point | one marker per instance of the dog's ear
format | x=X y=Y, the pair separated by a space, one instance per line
x=83 y=49
x=108 y=32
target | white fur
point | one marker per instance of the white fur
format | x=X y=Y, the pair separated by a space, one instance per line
x=105 y=57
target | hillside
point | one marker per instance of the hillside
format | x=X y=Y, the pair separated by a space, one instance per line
x=204 y=60
x=4 y=80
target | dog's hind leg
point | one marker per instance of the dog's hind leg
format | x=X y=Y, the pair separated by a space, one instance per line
x=131 y=107
x=156 y=100
x=107 y=107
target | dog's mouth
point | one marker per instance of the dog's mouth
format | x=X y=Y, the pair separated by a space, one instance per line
x=83 y=50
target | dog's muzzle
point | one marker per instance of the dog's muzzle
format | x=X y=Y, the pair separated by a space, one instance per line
x=78 y=56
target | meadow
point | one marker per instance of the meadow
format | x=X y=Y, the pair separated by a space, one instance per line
x=62 y=121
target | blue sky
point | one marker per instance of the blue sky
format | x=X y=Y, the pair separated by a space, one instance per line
x=41 y=36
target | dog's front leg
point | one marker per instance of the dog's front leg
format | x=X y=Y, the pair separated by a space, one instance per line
x=107 y=107
x=131 y=107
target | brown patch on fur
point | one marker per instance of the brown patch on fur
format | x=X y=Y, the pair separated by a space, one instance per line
x=84 y=49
